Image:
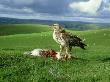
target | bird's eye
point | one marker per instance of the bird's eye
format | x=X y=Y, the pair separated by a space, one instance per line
x=54 y=25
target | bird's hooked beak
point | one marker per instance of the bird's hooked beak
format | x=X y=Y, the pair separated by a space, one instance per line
x=55 y=26
x=52 y=27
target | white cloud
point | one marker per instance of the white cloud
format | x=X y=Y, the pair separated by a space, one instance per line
x=90 y=6
x=91 y=10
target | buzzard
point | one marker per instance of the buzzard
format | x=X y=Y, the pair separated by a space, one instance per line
x=66 y=40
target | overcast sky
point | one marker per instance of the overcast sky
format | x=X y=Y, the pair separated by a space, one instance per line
x=87 y=10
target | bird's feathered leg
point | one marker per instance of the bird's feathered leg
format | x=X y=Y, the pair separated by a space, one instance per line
x=68 y=52
x=61 y=49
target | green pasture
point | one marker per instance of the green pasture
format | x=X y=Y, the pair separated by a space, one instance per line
x=90 y=65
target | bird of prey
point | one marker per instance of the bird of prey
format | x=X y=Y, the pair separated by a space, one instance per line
x=66 y=40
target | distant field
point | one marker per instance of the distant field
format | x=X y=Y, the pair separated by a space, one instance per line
x=91 y=65
x=22 y=29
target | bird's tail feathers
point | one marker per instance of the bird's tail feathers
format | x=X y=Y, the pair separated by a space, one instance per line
x=82 y=45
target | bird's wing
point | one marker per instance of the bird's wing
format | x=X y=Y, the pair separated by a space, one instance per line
x=77 y=38
x=66 y=36
x=70 y=36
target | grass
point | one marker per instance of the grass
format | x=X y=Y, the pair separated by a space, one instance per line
x=22 y=29
x=91 y=65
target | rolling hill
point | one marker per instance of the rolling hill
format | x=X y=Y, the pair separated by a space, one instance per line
x=91 y=65
x=9 y=29
x=76 y=25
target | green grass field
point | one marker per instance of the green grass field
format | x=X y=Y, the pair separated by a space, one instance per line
x=91 y=65
x=22 y=29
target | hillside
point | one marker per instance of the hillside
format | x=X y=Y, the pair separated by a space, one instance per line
x=76 y=25
x=10 y=29
x=90 y=65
